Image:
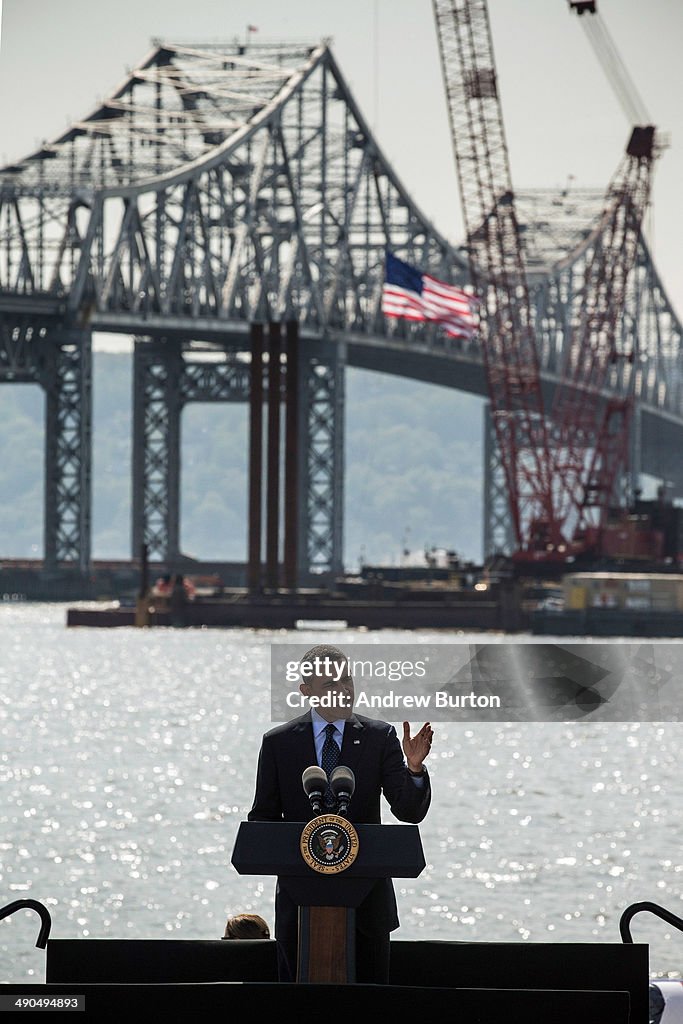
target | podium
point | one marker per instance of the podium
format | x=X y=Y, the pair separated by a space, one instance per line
x=327 y=878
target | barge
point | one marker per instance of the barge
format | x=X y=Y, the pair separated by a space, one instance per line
x=496 y=608
x=615 y=604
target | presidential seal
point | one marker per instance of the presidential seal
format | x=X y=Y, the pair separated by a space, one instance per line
x=329 y=844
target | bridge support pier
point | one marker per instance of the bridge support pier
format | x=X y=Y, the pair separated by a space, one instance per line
x=67 y=380
x=498 y=529
x=165 y=379
x=636 y=451
x=321 y=483
x=157 y=369
x=59 y=359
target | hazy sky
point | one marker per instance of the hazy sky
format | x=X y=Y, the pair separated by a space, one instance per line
x=58 y=57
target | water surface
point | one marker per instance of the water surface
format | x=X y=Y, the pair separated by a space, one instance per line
x=128 y=757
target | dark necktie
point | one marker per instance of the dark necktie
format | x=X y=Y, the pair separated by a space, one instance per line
x=329 y=760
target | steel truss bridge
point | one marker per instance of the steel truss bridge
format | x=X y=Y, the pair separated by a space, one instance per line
x=220 y=185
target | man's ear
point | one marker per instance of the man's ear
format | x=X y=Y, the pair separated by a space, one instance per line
x=305 y=688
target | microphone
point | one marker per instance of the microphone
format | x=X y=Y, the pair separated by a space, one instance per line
x=314 y=781
x=342 y=784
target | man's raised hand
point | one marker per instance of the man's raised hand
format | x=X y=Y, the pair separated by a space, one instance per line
x=416 y=748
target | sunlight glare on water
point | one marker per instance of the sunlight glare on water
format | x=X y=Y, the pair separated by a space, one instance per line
x=128 y=758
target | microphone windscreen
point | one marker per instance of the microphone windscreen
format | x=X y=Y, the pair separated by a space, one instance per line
x=314 y=780
x=342 y=780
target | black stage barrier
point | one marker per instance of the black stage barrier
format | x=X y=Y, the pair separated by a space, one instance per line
x=166 y=961
x=529 y=965
x=209 y=1002
x=584 y=967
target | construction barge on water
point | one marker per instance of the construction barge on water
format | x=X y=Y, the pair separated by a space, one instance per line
x=633 y=587
x=607 y=603
x=633 y=604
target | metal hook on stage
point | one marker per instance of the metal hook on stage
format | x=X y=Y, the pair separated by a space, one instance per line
x=653 y=908
x=43 y=913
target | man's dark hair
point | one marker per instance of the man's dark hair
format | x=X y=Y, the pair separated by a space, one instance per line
x=320 y=651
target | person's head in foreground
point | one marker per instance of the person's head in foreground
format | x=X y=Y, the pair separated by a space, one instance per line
x=246 y=926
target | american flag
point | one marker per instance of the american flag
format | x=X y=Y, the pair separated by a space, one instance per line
x=409 y=294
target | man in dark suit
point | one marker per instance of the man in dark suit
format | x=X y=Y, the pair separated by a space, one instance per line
x=372 y=750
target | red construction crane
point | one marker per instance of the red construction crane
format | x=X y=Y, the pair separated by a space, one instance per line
x=497 y=267
x=594 y=401
x=559 y=492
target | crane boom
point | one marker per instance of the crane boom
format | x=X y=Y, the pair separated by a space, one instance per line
x=497 y=264
x=598 y=361
x=593 y=403
x=554 y=492
x=610 y=59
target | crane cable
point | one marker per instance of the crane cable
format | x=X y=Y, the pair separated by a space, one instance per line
x=612 y=63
